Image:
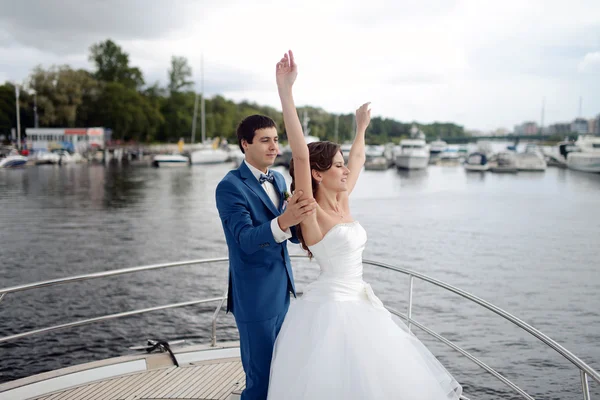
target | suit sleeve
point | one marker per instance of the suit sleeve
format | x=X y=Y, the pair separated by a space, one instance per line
x=236 y=218
x=294 y=238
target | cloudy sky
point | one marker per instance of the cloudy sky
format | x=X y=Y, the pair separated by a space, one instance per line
x=480 y=63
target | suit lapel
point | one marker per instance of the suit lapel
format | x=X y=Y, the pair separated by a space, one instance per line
x=251 y=181
x=281 y=187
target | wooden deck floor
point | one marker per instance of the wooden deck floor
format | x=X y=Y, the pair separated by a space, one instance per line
x=205 y=373
x=215 y=379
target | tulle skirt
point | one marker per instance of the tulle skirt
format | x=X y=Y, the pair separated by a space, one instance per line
x=353 y=349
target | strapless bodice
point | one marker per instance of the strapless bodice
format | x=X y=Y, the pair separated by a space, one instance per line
x=339 y=255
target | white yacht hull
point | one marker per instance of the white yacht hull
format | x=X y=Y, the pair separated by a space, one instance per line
x=586 y=162
x=531 y=162
x=504 y=169
x=411 y=161
x=437 y=146
x=533 y=168
x=411 y=154
x=13 y=161
x=477 y=162
x=377 y=164
x=476 y=168
x=209 y=156
x=174 y=160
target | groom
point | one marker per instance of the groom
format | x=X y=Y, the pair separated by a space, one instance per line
x=257 y=226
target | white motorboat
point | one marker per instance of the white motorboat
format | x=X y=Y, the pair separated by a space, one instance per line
x=530 y=161
x=485 y=147
x=65 y=157
x=477 y=162
x=236 y=156
x=13 y=160
x=379 y=157
x=588 y=158
x=374 y=151
x=437 y=146
x=41 y=157
x=504 y=162
x=450 y=156
x=377 y=164
x=165 y=370
x=558 y=157
x=55 y=157
x=209 y=156
x=170 y=160
x=533 y=148
x=411 y=154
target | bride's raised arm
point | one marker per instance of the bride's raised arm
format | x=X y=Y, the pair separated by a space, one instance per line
x=286 y=72
x=357 y=156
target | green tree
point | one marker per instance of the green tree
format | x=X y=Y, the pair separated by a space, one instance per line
x=112 y=96
x=178 y=110
x=221 y=118
x=130 y=114
x=8 y=110
x=178 y=107
x=61 y=91
x=112 y=65
x=179 y=74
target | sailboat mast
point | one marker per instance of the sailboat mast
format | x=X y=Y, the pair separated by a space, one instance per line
x=194 y=119
x=336 y=127
x=542 y=121
x=202 y=110
x=18 y=117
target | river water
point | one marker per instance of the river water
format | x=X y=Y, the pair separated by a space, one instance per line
x=526 y=242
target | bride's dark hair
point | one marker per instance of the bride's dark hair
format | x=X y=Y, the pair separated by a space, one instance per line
x=321 y=159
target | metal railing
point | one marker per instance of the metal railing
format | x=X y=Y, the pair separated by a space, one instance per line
x=111 y=273
x=585 y=370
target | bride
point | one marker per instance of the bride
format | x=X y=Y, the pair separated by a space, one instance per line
x=338 y=341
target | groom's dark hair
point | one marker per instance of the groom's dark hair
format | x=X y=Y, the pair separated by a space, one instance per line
x=249 y=125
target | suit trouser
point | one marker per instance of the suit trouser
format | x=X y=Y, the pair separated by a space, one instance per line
x=256 y=346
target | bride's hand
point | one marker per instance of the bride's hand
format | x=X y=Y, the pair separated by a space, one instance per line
x=363 y=116
x=286 y=71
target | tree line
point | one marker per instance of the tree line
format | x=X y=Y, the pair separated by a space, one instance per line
x=116 y=96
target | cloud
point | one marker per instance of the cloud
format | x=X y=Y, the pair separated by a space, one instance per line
x=71 y=26
x=219 y=79
x=416 y=79
x=479 y=64
x=590 y=63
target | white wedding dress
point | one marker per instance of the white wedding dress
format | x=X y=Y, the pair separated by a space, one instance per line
x=339 y=342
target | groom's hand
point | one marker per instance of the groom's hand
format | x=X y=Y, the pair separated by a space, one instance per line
x=296 y=211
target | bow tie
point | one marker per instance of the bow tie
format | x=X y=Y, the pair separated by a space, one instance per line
x=269 y=177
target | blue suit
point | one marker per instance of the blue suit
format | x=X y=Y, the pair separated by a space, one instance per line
x=260 y=271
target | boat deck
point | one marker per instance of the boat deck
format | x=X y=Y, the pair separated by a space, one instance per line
x=209 y=380
x=156 y=378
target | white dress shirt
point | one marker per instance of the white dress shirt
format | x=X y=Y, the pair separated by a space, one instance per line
x=278 y=234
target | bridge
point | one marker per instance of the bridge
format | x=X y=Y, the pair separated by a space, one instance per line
x=506 y=138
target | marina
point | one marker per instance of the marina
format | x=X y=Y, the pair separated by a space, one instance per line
x=473 y=232
x=463 y=266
